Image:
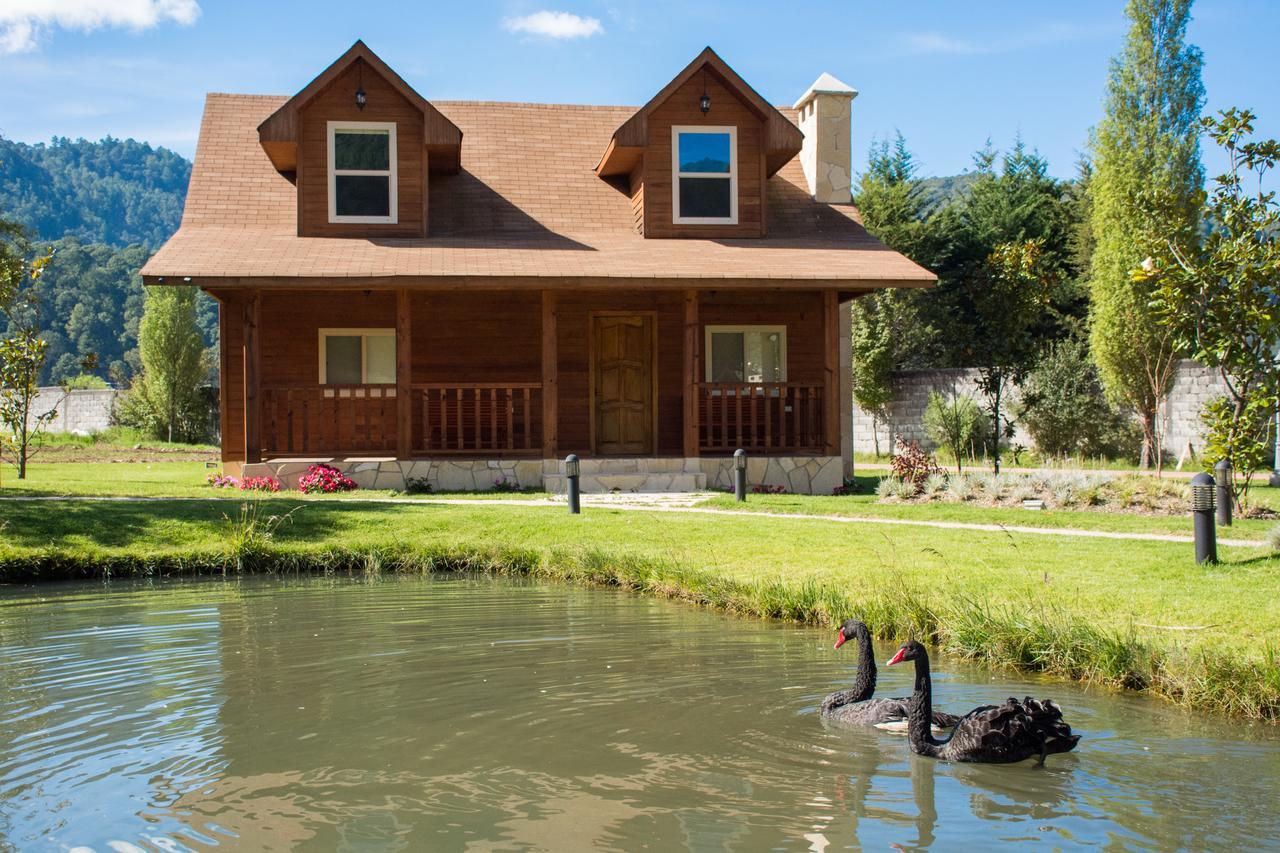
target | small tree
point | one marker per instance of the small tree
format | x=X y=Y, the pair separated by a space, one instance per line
x=166 y=400
x=1220 y=298
x=1065 y=409
x=954 y=423
x=1014 y=287
x=22 y=352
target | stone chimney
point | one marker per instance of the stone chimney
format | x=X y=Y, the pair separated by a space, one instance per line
x=824 y=114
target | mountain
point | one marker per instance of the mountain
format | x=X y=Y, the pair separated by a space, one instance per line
x=941 y=191
x=103 y=207
x=117 y=192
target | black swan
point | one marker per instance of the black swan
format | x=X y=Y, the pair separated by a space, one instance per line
x=991 y=734
x=856 y=706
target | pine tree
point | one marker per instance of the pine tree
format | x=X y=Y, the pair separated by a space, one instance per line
x=1148 y=140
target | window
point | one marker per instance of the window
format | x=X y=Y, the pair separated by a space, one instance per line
x=357 y=356
x=746 y=353
x=704 y=165
x=362 y=172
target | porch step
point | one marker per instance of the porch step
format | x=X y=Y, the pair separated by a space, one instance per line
x=656 y=481
x=626 y=465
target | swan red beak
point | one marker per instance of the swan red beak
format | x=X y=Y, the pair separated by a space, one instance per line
x=840 y=640
x=896 y=658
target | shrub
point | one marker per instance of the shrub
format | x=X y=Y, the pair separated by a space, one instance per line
x=960 y=488
x=417 y=486
x=258 y=484
x=912 y=465
x=1065 y=411
x=762 y=489
x=325 y=479
x=1273 y=537
x=955 y=424
x=219 y=480
x=934 y=484
x=502 y=484
x=887 y=487
x=85 y=382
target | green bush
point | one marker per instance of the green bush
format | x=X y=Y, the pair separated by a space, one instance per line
x=1065 y=411
x=955 y=424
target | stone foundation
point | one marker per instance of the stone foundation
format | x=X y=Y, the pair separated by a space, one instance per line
x=798 y=475
x=804 y=475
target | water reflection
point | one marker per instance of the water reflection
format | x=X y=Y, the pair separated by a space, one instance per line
x=470 y=713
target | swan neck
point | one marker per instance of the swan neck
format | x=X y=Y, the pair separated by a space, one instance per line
x=920 y=711
x=865 y=683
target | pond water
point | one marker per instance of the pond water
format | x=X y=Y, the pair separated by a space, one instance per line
x=452 y=713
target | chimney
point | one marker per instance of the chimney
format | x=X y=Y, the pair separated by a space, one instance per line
x=824 y=114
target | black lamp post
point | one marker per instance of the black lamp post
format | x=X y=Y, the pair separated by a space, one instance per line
x=571 y=472
x=1202 y=501
x=740 y=475
x=1222 y=476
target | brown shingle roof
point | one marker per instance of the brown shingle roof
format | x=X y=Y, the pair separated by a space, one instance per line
x=527 y=203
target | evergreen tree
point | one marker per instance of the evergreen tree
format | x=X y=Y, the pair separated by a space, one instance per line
x=1147 y=140
x=886 y=330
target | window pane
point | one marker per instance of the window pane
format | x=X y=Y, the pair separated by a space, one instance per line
x=704 y=198
x=380 y=350
x=363 y=195
x=704 y=152
x=762 y=356
x=342 y=358
x=362 y=150
x=726 y=357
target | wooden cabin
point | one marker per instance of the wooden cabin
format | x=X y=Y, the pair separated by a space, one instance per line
x=464 y=292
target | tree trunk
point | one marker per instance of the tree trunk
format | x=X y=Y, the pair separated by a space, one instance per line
x=995 y=435
x=1148 y=421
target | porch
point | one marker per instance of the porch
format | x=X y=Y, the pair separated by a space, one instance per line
x=498 y=377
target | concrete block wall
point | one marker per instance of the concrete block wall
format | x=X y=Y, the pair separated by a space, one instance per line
x=82 y=412
x=1193 y=386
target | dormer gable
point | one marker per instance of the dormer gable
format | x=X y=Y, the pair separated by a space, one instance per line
x=360 y=144
x=696 y=156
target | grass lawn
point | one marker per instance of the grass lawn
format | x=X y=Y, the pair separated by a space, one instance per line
x=864 y=504
x=1083 y=608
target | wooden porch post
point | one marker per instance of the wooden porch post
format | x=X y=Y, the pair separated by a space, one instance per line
x=832 y=403
x=550 y=377
x=691 y=341
x=252 y=402
x=404 y=369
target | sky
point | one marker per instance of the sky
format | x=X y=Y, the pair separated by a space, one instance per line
x=948 y=74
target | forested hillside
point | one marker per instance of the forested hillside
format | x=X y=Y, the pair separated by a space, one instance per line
x=117 y=192
x=104 y=207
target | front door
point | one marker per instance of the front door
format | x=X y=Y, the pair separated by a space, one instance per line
x=622 y=392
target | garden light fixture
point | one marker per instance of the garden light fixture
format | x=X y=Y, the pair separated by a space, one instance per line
x=740 y=475
x=571 y=473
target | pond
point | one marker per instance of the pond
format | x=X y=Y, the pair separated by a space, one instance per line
x=464 y=712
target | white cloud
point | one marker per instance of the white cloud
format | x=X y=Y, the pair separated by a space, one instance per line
x=1044 y=36
x=23 y=21
x=939 y=43
x=556 y=25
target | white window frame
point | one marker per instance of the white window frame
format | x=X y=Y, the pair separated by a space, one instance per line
x=709 y=361
x=390 y=174
x=676 y=175
x=364 y=335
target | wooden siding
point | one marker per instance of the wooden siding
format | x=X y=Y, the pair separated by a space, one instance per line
x=637 y=197
x=495 y=337
x=385 y=104
x=726 y=110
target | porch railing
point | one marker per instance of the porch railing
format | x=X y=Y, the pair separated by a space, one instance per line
x=769 y=416
x=493 y=418
x=309 y=419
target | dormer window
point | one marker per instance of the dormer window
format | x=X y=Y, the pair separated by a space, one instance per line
x=362 y=172
x=704 y=163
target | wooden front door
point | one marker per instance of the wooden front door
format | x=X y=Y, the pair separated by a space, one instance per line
x=622 y=384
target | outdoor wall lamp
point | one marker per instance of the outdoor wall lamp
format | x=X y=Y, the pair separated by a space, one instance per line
x=360 y=96
x=704 y=103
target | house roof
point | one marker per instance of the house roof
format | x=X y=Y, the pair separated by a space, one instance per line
x=535 y=210
x=782 y=138
x=278 y=132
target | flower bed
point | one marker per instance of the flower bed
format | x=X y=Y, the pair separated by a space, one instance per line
x=324 y=479
x=1144 y=494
